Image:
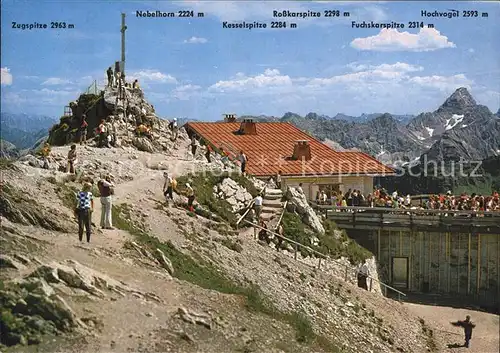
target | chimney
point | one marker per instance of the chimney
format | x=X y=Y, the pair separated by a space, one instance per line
x=302 y=149
x=229 y=118
x=248 y=127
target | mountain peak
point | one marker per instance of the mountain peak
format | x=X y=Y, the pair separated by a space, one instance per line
x=460 y=99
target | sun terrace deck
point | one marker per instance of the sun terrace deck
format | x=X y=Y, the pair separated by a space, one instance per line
x=411 y=219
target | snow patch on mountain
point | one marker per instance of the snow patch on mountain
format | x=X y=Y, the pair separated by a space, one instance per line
x=430 y=131
x=453 y=121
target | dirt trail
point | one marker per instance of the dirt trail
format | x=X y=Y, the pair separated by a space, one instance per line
x=485 y=337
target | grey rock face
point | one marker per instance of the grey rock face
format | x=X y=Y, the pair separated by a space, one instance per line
x=304 y=210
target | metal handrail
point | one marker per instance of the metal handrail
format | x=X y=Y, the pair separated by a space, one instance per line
x=282 y=214
x=326 y=257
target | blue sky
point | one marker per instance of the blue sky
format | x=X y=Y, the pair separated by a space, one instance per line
x=195 y=68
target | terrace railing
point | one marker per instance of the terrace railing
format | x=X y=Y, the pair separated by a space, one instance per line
x=379 y=217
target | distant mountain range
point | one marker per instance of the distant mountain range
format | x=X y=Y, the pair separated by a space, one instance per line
x=458 y=129
x=24 y=130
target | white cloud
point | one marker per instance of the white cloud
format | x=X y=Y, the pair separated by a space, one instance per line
x=185 y=92
x=269 y=79
x=443 y=83
x=427 y=39
x=471 y=50
x=398 y=67
x=195 y=40
x=56 y=81
x=365 y=81
x=6 y=78
x=151 y=76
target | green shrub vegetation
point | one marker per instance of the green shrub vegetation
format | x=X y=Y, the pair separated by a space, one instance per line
x=295 y=229
x=207 y=276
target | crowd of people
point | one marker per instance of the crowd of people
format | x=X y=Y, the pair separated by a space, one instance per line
x=381 y=198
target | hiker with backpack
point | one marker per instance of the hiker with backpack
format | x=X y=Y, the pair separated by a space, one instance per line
x=83 y=210
x=106 y=190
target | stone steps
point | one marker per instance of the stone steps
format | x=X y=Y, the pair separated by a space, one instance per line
x=272 y=203
x=273 y=194
x=270 y=209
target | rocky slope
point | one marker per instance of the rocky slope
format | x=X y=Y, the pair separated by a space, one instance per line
x=167 y=280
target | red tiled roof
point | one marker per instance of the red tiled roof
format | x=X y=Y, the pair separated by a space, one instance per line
x=275 y=141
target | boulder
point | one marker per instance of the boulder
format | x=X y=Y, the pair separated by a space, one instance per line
x=299 y=202
x=8 y=262
x=31 y=161
x=237 y=196
x=37 y=286
x=143 y=144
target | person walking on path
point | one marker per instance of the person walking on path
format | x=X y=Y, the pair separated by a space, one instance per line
x=467 y=326
x=83 y=210
x=71 y=160
x=106 y=190
x=258 y=206
x=363 y=274
x=168 y=188
x=243 y=161
x=190 y=196
x=83 y=130
x=194 y=144
x=278 y=180
x=207 y=154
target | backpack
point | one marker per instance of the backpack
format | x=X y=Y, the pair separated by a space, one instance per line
x=174 y=184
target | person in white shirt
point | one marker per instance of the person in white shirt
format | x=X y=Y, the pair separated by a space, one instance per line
x=258 y=206
x=106 y=190
x=323 y=196
x=175 y=129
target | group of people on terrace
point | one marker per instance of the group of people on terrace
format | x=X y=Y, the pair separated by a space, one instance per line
x=381 y=198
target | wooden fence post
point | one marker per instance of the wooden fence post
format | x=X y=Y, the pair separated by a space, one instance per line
x=295 y=253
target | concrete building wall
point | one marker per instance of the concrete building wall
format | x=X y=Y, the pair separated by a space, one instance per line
x=310 y=185
x=464 y=264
